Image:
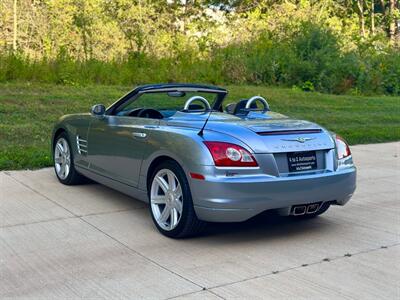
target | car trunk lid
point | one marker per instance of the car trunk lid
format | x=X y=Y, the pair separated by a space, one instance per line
x=270 y=133
x=279 y=135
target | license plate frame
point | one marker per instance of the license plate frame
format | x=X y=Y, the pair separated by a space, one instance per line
x=302 y=161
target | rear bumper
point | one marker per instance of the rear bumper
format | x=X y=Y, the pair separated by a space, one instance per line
x=235 y=199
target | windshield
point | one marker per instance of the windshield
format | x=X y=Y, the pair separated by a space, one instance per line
x=164 y=101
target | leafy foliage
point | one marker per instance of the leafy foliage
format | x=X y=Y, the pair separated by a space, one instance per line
x=329 y=45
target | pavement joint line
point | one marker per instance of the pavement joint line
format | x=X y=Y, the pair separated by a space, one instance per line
x=74 y=215
x=142 y=255
x=108 y=235
x=215 y=293
x=111 y=212
x=195 y=292
x=277 y=272
x=41 y=194
x=325 y=260
x=71 y=217
x=37 y=222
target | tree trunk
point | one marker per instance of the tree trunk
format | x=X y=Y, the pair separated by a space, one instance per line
x=373 y=17
x=392 y=20
x=383 y=5
x=185 y=9
x=361 y=18
x=15 y=33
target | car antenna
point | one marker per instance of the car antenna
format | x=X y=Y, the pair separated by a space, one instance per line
x=200 y=133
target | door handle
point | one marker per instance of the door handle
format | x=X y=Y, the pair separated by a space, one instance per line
x=141 y=135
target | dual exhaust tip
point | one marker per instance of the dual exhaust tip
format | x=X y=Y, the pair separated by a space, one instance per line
x=300 y=210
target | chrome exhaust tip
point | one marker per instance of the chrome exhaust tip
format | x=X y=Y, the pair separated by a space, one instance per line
x=299 y=210
x=312 y=208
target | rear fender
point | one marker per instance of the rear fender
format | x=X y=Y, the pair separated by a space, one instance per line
x=184 y=146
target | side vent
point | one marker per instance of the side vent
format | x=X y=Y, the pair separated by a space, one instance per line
x=81 y=145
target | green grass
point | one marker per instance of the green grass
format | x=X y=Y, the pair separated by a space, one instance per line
x=28 y=112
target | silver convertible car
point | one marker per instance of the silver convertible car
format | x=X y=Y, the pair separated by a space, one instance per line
x=195 y=160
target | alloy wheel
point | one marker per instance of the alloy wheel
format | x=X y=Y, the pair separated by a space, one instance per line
x=166 y=199
x=62 y=158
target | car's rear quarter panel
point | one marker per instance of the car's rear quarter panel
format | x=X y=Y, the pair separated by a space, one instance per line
x=181 y=144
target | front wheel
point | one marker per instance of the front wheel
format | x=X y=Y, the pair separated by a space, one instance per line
x=171 y=204
x=64 y=162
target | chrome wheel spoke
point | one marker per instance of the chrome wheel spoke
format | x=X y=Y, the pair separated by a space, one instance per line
x=64 y=145
x=66 y=170
x=178 y=206
x=164 y=215
x=57 y=160
x=62 y=171
x=178 y=190
x=174 y=217
x=171 y=181
x=66 y=150
x=162 y=183
x=60 y=147
x=159 y=199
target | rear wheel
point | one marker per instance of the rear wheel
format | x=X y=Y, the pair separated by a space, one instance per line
x=64 y=162
x=171 y=204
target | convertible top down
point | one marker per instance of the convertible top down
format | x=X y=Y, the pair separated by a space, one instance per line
x=196 y=160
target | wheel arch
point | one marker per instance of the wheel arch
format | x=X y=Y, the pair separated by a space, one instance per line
x=56 y=133
x=155 y=162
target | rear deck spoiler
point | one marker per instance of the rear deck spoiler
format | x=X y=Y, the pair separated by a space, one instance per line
x=286 y=132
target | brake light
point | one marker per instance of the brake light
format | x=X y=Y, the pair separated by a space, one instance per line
x=342 y=147
x=230 y=155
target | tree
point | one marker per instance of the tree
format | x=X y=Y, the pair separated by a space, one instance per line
x=360 y=10
x=15 y=27
x=83 y=20
x=129 y=16
x=372 y=17
x=389 y=10
x=392 y=20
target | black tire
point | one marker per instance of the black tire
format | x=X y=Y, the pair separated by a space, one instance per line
x=73 y=178
x=324 y=207
x=189 y=225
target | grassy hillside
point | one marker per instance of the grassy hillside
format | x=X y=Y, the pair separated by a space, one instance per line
x=27 y=113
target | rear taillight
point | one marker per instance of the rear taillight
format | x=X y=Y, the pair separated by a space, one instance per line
x=343 y=149
x=230 y=155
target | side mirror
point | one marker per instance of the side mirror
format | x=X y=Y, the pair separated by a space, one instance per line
x=98 y=110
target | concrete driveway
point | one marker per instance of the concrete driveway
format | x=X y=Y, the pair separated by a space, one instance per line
x=92 y=242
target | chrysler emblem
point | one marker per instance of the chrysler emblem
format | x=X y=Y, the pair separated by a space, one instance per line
x=299 y=139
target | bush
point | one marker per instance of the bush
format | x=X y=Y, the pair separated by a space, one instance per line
x=311 y=58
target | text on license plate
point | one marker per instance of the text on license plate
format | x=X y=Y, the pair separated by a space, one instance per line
x=302 y=161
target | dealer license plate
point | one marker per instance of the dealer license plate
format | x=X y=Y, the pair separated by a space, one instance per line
x=302 y=161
